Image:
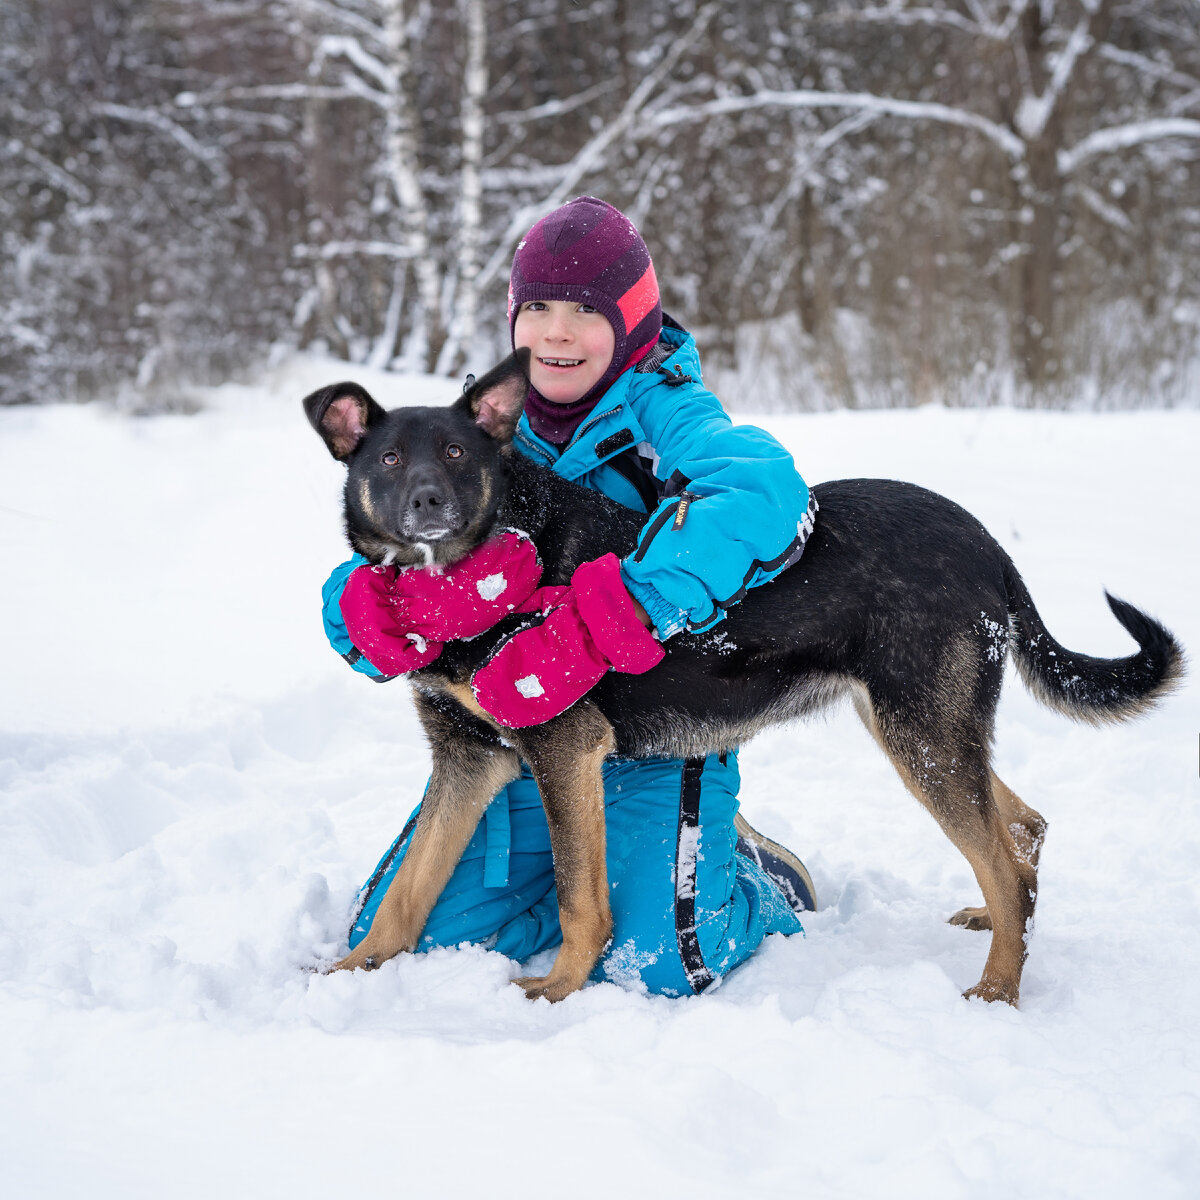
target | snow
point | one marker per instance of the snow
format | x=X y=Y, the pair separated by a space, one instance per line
x=492 y=587
x=530 y=687
x=194 y=786
x=1120 y=137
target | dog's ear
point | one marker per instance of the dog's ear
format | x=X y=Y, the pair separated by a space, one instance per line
x=342 y=414
x=496 y=401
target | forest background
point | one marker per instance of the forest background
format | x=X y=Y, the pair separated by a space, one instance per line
x=851 y=204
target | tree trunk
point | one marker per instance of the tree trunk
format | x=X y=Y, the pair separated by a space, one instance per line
x=475 y=81
x=806 y=267
x=1046 y=84
x=427 y=327
x=322 y=322
x=1041 y=200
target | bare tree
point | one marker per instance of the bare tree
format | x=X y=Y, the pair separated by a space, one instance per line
x=889 y=201
x=1042 y=131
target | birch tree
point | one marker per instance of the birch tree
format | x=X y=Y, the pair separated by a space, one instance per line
x=470 y=224
x=1035 y=115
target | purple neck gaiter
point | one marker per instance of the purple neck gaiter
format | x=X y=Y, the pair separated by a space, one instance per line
x=556 y=423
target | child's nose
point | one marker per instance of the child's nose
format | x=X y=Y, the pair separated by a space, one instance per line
x=560 y=326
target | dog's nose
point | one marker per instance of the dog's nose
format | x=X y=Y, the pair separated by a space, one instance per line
x=426 y=500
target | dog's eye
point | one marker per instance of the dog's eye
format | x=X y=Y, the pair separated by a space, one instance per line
x=391 y=459
x=454 y=451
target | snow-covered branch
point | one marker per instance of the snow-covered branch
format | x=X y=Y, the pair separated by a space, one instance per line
x=271 y=91
x=916 y=110
x=1184 y=103
x=357 y=86
x=341 y=15
x=980 y=22
x=56 y=175
x=1110 y=214
x=568 y=14
x=892 y=15
x=1123 y=137
x=352 y=249
x=1035 y=110
x=351 y=50
x=1145 y=65
x=557 y=107
x=209 y=156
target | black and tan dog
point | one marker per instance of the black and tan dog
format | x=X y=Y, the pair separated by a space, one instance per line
x=902 y=601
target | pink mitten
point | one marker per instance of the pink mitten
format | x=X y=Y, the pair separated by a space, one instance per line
x=589 y=627
x=373 y=623
x=400 y=619
x=471 y=595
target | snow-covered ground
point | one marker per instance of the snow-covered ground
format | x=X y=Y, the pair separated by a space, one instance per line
x=194 y=785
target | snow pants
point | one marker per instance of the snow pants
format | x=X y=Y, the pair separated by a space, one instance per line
x=687 y=908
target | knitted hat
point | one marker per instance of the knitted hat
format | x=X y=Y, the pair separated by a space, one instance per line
x=589 y=252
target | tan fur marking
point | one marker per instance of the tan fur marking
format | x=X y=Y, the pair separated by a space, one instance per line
x=458 y=793
x=977 y=825
x=364 y=499
x=487 y=491
x=1026 y=827
x=572 y=790
x=463 y=694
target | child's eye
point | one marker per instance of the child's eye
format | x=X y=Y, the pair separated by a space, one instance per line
x=534 y=306
x=586 y=308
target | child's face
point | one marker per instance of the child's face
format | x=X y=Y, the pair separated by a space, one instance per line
x=571 y=346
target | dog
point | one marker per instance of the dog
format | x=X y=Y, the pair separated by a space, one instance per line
x=902 y=600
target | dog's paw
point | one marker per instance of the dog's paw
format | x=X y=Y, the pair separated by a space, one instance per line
x=972 y=918
x=993 y=991
x=356 y=960
x=546 y=986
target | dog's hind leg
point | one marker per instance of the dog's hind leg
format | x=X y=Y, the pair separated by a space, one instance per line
x=951 y=777
x=466 y=776
x=566 y=756
x=1028 y=829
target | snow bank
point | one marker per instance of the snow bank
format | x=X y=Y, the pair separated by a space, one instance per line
x=194 y=786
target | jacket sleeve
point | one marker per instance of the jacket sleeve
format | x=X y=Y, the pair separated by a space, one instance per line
x=335 y=625
x=735 y=513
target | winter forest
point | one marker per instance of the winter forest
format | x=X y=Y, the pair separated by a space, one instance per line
x=858 y=203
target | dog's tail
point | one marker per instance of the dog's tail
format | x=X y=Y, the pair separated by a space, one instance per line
x=1086 y=688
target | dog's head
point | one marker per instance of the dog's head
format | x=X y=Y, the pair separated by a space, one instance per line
x=423 y=485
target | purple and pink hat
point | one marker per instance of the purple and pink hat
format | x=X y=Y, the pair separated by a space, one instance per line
x=590 y=252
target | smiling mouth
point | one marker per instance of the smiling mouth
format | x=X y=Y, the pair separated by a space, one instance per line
x=561 y=362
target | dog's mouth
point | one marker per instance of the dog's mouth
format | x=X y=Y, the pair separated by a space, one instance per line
x=431 y=527
x=435 y=545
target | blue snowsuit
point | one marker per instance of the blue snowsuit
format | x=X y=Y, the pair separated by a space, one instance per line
x=687 y=908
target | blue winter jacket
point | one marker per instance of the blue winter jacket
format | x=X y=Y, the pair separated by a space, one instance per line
x=727 y=509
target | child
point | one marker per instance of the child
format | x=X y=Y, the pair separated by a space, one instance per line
x=616 y=404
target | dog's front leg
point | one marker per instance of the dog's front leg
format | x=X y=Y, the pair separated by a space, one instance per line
x=566 y=756
x=466 y=776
